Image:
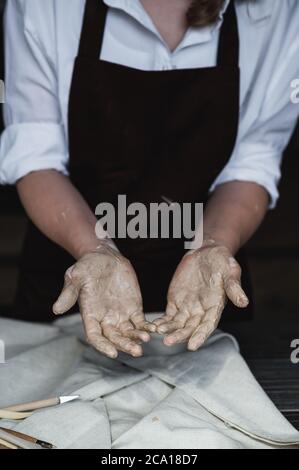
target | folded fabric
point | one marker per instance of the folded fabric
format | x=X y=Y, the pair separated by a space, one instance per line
x=170 y=398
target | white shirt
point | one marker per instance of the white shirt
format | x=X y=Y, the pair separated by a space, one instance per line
x=42 y=40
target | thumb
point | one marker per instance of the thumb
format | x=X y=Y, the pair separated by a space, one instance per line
x=235 y=293
x=68 y=297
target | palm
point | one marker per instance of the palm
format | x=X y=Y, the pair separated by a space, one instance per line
x=197 y=296
x=106 y=287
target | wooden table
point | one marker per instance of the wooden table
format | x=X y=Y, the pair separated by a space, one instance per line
x=267 y=351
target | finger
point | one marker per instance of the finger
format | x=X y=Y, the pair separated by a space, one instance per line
x=129 y=331
x=171 y=311
x=122 y=343
x=205 y=329
x=138 y=336
x=140 y=323
x=96 y=339
x=68 y=297
x=235 y=292
x=160 y=321
x=104 y=346
x=177 y=323
x=183 y=334
x=170 y=326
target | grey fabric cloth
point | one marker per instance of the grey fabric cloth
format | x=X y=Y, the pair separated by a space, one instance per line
x=170 y=398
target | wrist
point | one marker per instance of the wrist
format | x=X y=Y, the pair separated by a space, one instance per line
x=225 y=239
x=95 y=246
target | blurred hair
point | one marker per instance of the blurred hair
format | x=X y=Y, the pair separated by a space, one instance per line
x=204 y=12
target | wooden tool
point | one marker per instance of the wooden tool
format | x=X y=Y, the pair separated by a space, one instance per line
x=26 y=437
x=13 y=415
x=38 y=405
x=7 y=445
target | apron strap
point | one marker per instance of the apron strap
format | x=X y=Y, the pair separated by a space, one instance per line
x=228 y=49
x=93 y=29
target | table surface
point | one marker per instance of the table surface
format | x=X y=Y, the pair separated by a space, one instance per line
x=268 y=354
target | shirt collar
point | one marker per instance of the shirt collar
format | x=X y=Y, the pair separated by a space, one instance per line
x=134 y=9
x=192 y=37
x=200 y=35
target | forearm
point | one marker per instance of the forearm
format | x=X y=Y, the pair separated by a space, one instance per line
x=59 y=211
x=234 y=212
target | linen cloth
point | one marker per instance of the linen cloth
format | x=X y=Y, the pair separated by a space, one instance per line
x=168 y=399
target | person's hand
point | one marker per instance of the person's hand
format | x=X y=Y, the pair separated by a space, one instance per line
x=107 y=289
x=198 y=293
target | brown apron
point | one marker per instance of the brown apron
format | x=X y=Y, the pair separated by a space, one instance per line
x=146 y=135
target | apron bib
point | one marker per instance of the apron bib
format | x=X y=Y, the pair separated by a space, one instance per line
x=148 y=135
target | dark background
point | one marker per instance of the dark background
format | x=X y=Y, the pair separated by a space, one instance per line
x=274 y=262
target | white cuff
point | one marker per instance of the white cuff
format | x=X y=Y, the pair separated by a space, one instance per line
x=256 y=164
x=31 y=147
x=250 y=177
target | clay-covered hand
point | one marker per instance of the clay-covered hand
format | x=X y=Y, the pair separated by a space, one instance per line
x=198 y=293
x=106 y=287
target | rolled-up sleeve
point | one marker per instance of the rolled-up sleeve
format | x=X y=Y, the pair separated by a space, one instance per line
x=254 y=162
x=269 y=116
x=34 y=138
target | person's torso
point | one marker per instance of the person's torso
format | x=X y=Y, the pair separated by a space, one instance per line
x=131 y=39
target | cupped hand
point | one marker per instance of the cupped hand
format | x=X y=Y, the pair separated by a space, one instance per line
x=198 y=293
x=106 y=287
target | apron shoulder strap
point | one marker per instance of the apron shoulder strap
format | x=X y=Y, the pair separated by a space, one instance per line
x=228 y=49
x=93 y=29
